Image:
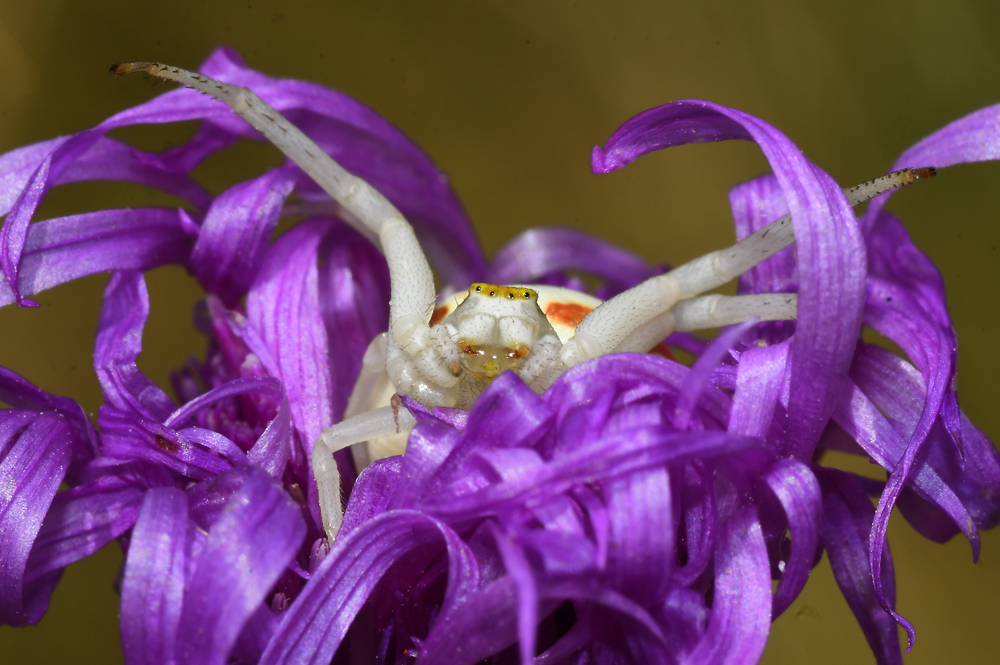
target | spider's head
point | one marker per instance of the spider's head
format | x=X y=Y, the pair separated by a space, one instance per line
x=497 y=326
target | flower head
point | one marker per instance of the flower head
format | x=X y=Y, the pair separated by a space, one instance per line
x=636 y=511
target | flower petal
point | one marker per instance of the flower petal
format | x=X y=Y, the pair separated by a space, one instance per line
x=642 y=536
x=741 y=609
x=697 y=379
x=797 y=489
x=897 y=389
x=755 y=204
x=541 y=251
x=283 y=309
x=82 y=520
x=519 y=571
x=369 y=146
x=847 y=519
x=119 y=343
x=354 y=298
x=829 y=248
x=863 y=421
x=254 y=539
x=314 y=627
x=760 y=380
x=974 y=138
x=61 y=250
x=16 y=391
x=17 y=166
x=171 y=107
x=701 y=522
x=153 y=584
x=236 y=231
x=35 y=450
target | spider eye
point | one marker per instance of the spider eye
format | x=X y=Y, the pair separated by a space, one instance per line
x=493 y=293
x=479 y=289
x=527 y=295
x=510 y=295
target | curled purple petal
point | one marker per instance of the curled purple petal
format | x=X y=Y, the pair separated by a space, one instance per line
x=119 y=342
x=17 y=167
x=797 y=489
x=16 y=391
x=700 y=520
x=697 y=378
x=741 y=611
x=249 y=545
x=895 y=387
x=541 y=251
x=313 y=628
x=354 y=298
x=61 y=250
x=35 y=452
x=847 y=519
x=519 y=571
x=829 y=248
x=283 y=309
x=82 y=520
x=173 y=106
x=642 y=534
x=760 y=381
x=974 y=138
x=862 y=420
x=153 y=584
x=755 y=204
x=234 y=236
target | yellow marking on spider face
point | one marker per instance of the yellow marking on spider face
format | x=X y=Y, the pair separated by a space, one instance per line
x=507 y=292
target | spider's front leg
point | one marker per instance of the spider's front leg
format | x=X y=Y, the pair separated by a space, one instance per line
x=639 y=318
x=421 y=357
x=421 y=361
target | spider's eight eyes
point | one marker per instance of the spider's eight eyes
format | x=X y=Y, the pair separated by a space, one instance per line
x=509 y=292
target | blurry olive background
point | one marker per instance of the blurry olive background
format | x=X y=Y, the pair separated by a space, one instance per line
x=509 y=97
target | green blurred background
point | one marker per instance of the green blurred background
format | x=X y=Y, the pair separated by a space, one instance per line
x=509 y=98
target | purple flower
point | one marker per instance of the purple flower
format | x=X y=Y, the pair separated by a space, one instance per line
x=636 y=511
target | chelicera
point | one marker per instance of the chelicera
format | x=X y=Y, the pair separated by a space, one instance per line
x=447 y=356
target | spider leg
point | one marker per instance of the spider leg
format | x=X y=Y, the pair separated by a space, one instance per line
x=412 y=294
x=372 y=374
x=412 y=283
x=712 y=311
x=369 y=425
x=607 y=327
x=372 y=382
x=543 y=367
x=716 y=311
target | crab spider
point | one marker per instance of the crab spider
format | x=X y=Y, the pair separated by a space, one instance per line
x=450 y=359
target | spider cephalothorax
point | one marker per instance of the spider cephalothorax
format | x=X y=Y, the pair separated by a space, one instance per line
x=488 y=330
x=448 y=356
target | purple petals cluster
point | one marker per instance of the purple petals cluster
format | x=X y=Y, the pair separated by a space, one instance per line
x=635 y=512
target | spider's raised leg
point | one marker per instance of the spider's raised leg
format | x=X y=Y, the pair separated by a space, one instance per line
x=412 y=349
x=412 y=283
x=631 y=319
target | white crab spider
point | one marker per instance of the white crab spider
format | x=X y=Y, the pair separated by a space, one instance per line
x=494 y=328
